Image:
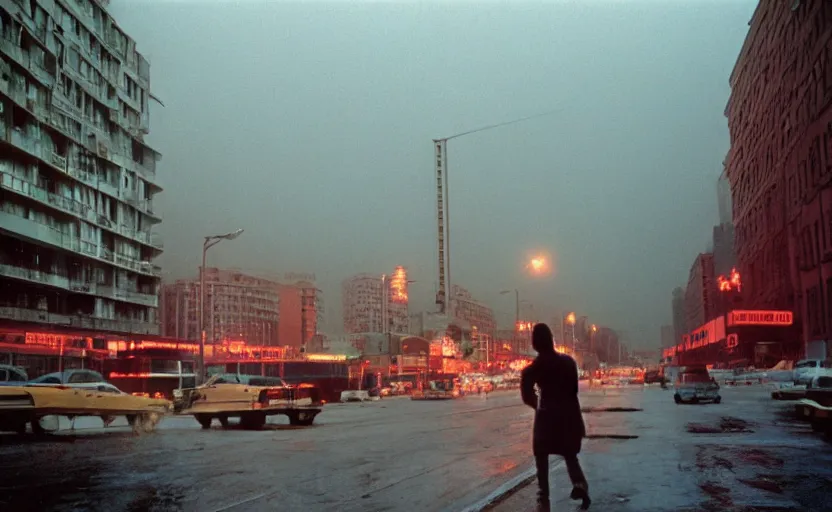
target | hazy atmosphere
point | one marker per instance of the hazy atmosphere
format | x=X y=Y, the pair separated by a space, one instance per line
x=310 y=125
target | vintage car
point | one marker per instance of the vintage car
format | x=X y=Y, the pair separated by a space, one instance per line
x=695 y=385
x=38 y=404
x=250 y=398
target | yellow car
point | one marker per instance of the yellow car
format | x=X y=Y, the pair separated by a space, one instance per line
x=20 y=405
x=250 y=398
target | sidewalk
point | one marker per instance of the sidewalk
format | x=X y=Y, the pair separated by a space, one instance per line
x=770 y=466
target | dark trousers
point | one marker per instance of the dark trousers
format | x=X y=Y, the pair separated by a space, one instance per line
x=573 y=467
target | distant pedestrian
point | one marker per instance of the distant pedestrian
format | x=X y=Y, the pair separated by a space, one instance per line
x=558 y=423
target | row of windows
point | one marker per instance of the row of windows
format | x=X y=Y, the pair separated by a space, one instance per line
x=814 y=242
x=781 y=106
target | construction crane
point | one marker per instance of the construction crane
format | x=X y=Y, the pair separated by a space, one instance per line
x=443 y=208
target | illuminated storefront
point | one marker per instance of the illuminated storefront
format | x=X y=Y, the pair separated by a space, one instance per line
x=758 y=338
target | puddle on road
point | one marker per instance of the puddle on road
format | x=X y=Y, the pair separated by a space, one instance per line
x=610 y=409
x=736 y=478
x=727 y=425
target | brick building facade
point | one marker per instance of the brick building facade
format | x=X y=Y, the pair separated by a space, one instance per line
x=780 y=162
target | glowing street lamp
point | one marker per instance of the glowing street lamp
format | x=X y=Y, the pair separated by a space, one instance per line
x=570 y=318
x=538 y=265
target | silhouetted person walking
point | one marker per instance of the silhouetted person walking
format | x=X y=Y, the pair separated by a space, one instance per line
x=558 y=424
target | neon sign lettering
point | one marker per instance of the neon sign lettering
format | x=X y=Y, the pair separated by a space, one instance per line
x=774 y=318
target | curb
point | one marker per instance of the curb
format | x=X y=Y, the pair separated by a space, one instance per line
x=504 y=491
x=508 y=488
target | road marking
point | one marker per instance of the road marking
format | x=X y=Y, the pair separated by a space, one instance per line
x=241 y=502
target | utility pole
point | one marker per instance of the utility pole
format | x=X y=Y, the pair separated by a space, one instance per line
x=443 y=208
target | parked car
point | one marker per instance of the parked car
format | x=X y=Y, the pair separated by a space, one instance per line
x=12 y=375
x=807 y=370
x=70 y=378
x=695 y=385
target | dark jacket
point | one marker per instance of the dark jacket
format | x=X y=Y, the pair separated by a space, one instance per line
x=558 y=422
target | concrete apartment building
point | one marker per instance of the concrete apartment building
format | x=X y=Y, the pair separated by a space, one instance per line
x=700 y=294
x=780 y=165
x=77 y=179
x=467 y=310
x=369 y=299
x=241 y=307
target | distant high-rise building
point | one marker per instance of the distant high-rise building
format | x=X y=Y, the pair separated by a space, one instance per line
x=468 y=310
x=238 y=307
x=723 y=194
x=700 y=295
x=78 y=177
x=369 y=298
x=723 y=251
x=680 y=326
x=241 y=307
x=668 y=336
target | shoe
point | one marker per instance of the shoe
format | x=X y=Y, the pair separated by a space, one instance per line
x=543 y=503
x=579 y=492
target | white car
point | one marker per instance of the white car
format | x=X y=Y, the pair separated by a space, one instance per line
x=807 y=370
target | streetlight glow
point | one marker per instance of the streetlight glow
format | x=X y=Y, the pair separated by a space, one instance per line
x=570 y=318
x=539 y=263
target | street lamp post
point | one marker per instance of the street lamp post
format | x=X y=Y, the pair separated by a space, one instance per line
x=516 y=307
x=570 y=319
x=209 y=242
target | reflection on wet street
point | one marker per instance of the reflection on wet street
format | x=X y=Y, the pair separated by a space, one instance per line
x=743 y=455
x=393 y=454
x=399 y=454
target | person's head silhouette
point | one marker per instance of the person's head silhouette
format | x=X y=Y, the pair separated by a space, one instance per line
x=542 y=339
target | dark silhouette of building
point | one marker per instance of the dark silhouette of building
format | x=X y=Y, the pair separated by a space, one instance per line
x=700 y=295
x=667 y=336
x=680 y=327
x=779 y=165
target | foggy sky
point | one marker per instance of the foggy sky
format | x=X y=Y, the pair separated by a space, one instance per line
x=310 y=125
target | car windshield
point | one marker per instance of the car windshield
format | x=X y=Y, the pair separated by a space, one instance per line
x=695 y=378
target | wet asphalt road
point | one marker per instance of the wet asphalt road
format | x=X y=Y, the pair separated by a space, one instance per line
x=398 y=454
x=395 y=454
x=747 y=454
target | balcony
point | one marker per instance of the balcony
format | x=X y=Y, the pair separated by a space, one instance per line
x=34 y=276
x=38 y=232
x=48 y=279
x=42 y=233
x=148 y=172
x=58 y=161
x=65 y=204
x=78 y=321
x=14 y=52
x=26 y=143
x=145 y=299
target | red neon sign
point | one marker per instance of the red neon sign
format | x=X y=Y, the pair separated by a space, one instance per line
x=773 y=318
